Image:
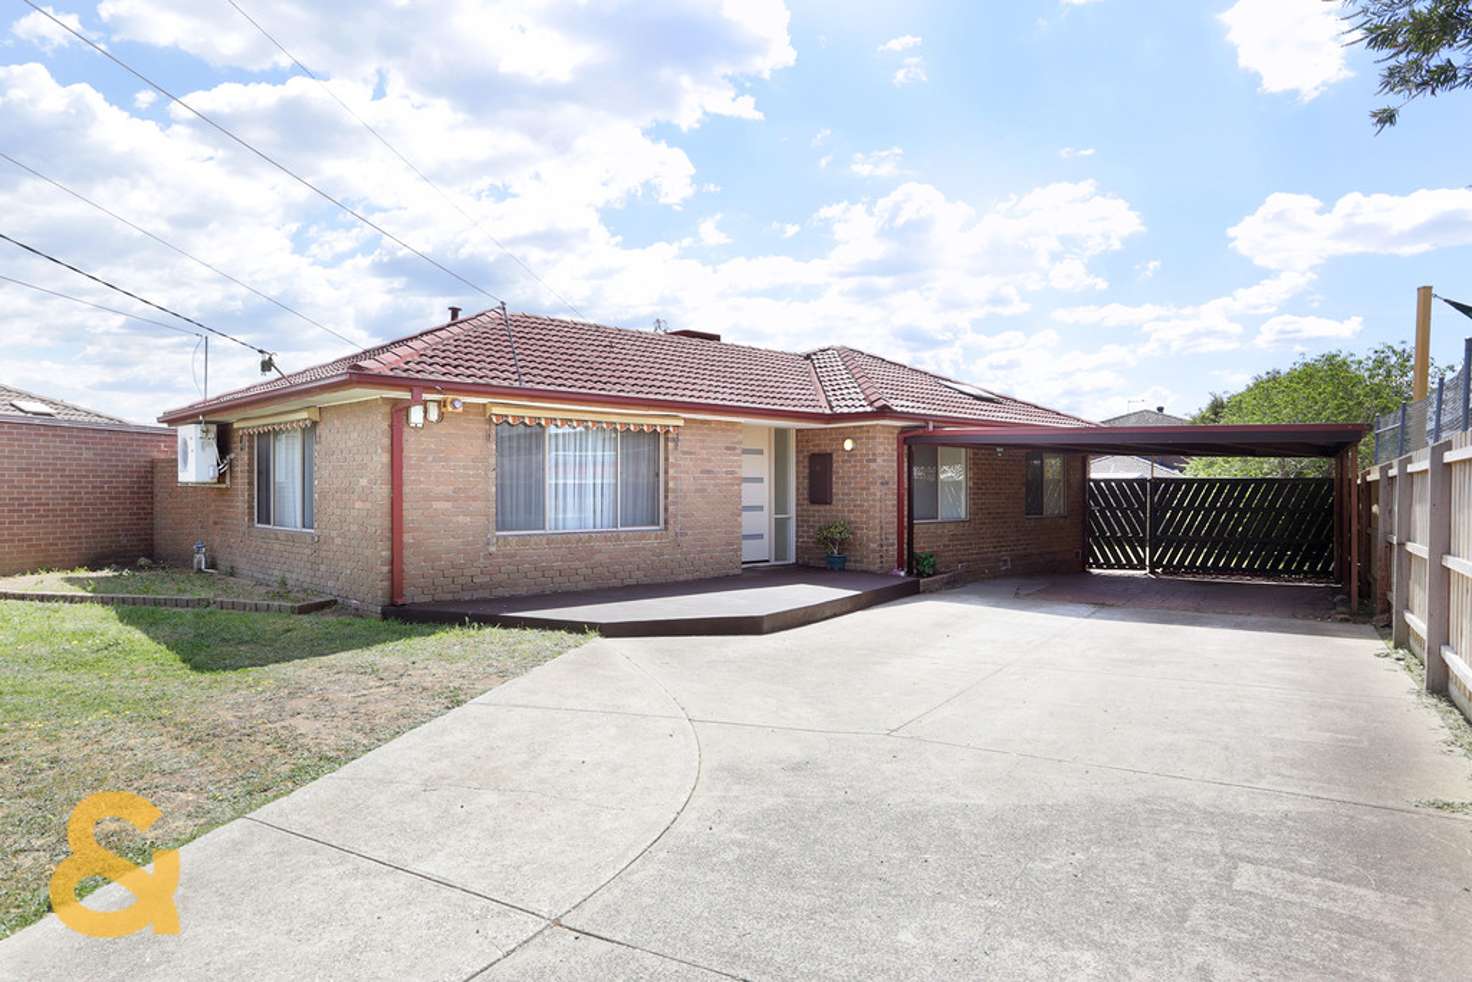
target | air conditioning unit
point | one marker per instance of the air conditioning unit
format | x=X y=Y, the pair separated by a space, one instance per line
x=199 y=453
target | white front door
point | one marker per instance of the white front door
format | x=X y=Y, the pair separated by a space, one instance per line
x=756 y=470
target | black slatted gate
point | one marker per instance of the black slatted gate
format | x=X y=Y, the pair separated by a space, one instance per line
x=1244 y=526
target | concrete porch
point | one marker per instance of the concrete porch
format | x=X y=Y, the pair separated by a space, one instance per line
x=758 y=601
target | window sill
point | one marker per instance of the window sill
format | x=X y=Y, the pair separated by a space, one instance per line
x=536 y=532
x=281 y=531
x=943 y=521
x=1034 y=518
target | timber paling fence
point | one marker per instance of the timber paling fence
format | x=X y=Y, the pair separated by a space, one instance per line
x=1421 y=516
x=1417 y=425
x=1237 y=526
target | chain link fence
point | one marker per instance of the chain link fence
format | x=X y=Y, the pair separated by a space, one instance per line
x=1416 y=425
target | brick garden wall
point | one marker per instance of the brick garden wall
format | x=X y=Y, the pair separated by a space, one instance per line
x=863 y=494
x=75 y=494
x=996 y=528
x=452 y=551
x=346 y=556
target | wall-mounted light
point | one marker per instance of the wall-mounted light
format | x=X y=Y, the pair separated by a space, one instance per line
x=848 y=443
x=432 y=411
x=456 y=405
x=416 y=415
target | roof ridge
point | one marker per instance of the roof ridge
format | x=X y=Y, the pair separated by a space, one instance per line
x=657 y=334
x=817 y=381
x=951 y=381
x=866 y=385
x=52 y=400
x=400 y=351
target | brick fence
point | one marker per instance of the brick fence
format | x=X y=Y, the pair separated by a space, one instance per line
x=76 y=494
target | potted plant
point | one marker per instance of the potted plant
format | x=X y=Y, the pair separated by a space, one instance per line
x=832 y=538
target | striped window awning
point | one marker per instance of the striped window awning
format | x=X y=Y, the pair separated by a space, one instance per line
x=551 y=416
x=294 y=422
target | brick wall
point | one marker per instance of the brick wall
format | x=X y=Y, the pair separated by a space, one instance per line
x=452 y=551
x=345 y=556
x=76 y=495
x=996 y=528
x=863 y=494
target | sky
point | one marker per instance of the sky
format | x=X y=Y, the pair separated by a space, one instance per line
x=1098 y=205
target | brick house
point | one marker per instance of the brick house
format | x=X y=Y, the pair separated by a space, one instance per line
x=499 y=455
x=76 y=486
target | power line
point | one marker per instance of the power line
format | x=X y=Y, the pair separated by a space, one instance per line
x=259 y=153
x=103 y=307
x=476 y=224
x=169 y=245
x=112 y=286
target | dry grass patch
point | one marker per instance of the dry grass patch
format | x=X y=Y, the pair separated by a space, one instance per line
x=207 y=713
x=152 y=581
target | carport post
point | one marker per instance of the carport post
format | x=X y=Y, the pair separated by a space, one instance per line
x=1400 y=577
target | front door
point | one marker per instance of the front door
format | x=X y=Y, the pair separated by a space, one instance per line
x=755 y=475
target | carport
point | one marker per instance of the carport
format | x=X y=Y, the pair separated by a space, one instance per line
x=1334 y=441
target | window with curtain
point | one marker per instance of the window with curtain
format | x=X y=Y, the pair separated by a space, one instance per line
x=286 y=478
x=571 y=478
x=1046 y=495
x=938 y=475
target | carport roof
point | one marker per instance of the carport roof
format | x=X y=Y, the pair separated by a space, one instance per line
x=1244 y=440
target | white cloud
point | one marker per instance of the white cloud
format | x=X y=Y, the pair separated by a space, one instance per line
x=1206 y=327
x=1148 y=269
x=1071 y=274
x=911 y=72
x=879 y=163
x=786 y=230
x=38 y=29
x=1290 y=327
x=1292 y=45
x=710 y=232
x=914 y=273
x=824 y=161
x=1069 y=152
x=1077 y=3
x=1293 y=231
x=902 y=43
x=821 y=137
x=144 y=99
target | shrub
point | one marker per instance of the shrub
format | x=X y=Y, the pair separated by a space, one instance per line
x=833 y=536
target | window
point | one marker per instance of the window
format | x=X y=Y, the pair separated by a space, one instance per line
x=567 y=478
x=938 y=475
x=286 y=478
x=1046 y=495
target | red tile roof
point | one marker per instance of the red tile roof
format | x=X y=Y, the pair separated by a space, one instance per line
x=545 y=353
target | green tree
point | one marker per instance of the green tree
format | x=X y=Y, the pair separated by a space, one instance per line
x=1335 y=387
x=1424 y=48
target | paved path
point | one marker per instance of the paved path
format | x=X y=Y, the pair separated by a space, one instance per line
x=968 y=784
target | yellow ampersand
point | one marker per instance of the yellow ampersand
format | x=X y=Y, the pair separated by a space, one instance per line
x=154 y=891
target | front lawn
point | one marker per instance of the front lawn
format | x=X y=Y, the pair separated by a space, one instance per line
x=207 y=713
x=153 y=581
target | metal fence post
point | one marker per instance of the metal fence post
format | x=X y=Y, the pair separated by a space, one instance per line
x=1466 y=383
x=1440 y=397
x=1376 y=457
x=1401 y=448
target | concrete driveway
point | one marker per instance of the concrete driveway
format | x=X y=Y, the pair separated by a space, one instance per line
x=978 y=783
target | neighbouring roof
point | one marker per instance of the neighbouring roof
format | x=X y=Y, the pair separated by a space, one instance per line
x=1146 y=417
x=29 y=405
x=1117 y=465
x=577 y=358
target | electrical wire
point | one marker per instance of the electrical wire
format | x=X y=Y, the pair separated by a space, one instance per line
x=254 y=150
x=113 y=286
x=169 y=245
x=475 y=224
x=98 y=306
